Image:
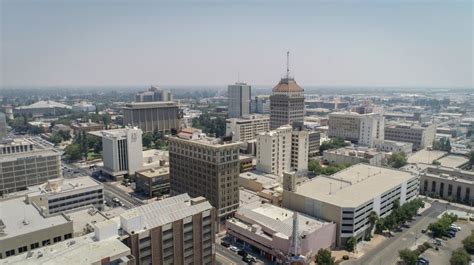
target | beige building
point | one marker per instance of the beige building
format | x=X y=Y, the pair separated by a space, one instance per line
x=348 y=197
x=282 y=149
x=153 y=116
x=421 y=136
x=204 y=166
x=89 y=126
x=354 y=155
x=248 y=127
x=153 y=182
x=390 y=146
x=448 y=183
x=21 y=169
x=364 y=129
x=23 y=228
x=176 y=230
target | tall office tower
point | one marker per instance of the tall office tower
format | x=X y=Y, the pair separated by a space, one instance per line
x=154 y=94
x=3 y=126
x=22 y=166
x=286 y=102
x=282 y=150
x=204 y=166
x=122 y=151
x=364 y=129
x=239 y=100
x=176 y=230
x=246 y=128
x=153 y=116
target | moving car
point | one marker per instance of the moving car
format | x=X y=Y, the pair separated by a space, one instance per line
x=234 y=248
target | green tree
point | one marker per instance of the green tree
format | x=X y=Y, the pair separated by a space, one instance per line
x=56 y=138
x=351 y=244
x=408 y=257
x=147 y=140
x=460 y=257
x=373 y=218
x=323 y=257
x=468 y=243
x=436 y=163
x=397 y=160
x=331 y=144
x=73 y=152
x=314 y=166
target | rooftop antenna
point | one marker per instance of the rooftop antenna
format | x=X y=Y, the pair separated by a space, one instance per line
x=287 y=64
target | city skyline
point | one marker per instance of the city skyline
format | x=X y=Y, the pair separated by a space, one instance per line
x=373 y=44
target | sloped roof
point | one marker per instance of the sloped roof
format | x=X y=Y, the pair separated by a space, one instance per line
x=42 y=104
x=287 y=85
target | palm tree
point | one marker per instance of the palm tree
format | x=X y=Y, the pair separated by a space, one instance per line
x=373 y=218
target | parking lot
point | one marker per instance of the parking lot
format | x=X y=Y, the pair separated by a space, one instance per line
x=238 y=251
x=442 y=256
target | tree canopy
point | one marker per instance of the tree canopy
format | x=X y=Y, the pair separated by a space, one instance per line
x=397 y=160
x=323 y=257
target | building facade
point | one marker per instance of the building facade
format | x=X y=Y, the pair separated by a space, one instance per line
x=153 y=182
x=3 y=126
x=314 y=142
x=163 y=117
x=395 y=147
x=22 y=169
x=283 y=149
x=364 y=129
x=204 y=166
x=448 y=183
x=122 y=151
x=239 y=99
x=354 y=156
x=286 y=103
x=154 y=93
x=246 y=128
x=261 y=104
x=176 y=230
x=421 y=136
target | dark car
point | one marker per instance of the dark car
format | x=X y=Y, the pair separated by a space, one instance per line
x=242 y=253
x=249 y=260
x=423 y=261
x=225 y=244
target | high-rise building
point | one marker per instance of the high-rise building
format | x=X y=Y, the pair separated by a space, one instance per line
x=122 y=151
x=154 y=93
x=204 y=166
x=3 y=126
x=239 y=100
x=364 y=129
x=153 y=116
x=282 y=150
x=176 y=230
x=22 y=166
x=420 y=135
x=261 y=104
x=286 y=102
x=246 y=128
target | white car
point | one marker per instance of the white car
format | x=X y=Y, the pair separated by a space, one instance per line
x=233 y=248
x=455 y=227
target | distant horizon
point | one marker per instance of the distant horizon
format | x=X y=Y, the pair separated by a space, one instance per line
x=331 y=44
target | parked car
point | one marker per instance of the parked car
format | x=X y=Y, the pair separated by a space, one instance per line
x=249 y=259
x=451 y=234
x=242 y=253
x=233 y=248
x=458 y=228
x=423 y=261
x=225 y=244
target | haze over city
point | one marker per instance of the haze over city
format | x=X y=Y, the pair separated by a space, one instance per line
x=337 y=43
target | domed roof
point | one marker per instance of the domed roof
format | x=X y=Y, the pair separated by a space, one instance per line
x=287 y=85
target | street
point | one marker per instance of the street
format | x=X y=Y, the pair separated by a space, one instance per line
x=387 y=251
x=225 y=256
x=111 y=191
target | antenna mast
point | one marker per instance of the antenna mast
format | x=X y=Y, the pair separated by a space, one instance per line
x=287 y=64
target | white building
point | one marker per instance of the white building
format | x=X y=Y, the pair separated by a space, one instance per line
x=364 y=129
x=83 y=106
x=239 y=100
x=3 y=126
x=122 y=151
x=282 y=149
x=395 y=147
x=248 y=127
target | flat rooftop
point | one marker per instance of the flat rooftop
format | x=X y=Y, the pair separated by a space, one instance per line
x=54 y=186
x=34 y=153
x=112 y=133
x=354 y=151
x=153 y=104
x=154 y=172
x=278 y=219
x=82 y=217
x=79 y=250
x=15 y=211
x=268 y=180
x=353 y=186
x=425 y=156
x=453 y=161
x=248 y=196
x=168 y=210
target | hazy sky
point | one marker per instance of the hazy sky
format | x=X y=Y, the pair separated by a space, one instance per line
x=335 y=43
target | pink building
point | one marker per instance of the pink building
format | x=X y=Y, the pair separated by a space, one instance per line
x=268 y=229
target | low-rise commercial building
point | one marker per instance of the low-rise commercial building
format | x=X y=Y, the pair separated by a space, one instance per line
x=421 y=136
x=348 y=197
x=264 y=185
x=89 y=126
x=364 y=129
x=153 y=182
x=162 y=117
x=248 y=127
x=59 y=195
x=268 y=229
x=390 y=146
x=23 y=228
x=448 y=183
x=41 y=108
x=354 y=155
x=246 y=163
